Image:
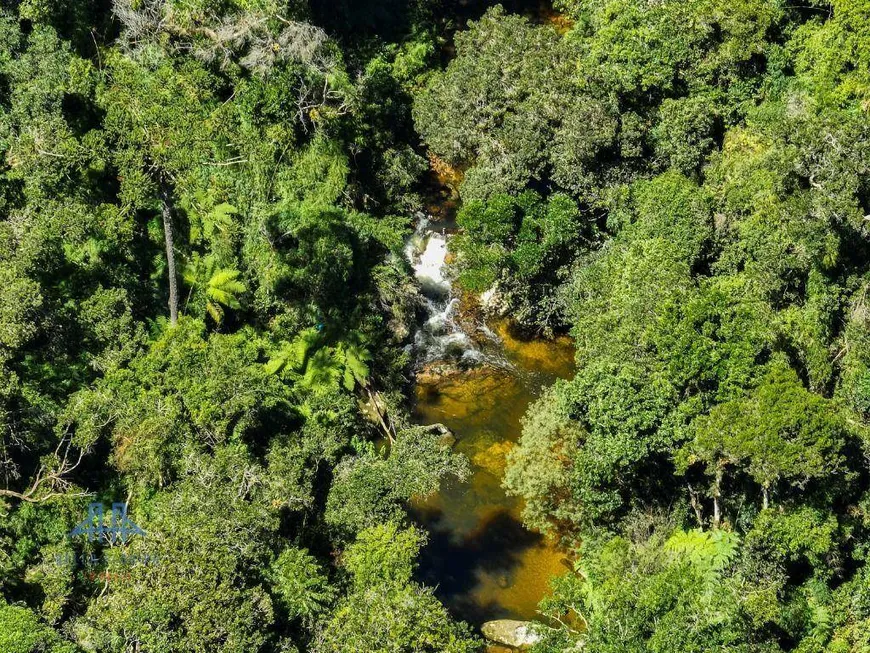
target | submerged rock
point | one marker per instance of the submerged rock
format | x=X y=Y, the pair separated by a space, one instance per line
x=509 y=632
x=494 y=458
x=445 y=435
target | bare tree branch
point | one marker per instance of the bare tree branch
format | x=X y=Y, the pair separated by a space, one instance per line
x=54 y=480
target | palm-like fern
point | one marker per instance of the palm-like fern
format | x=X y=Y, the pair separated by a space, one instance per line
x=292 y=356
x=354 y=357
x=322 y=370
x=346 y=362
x=221 y=286
x=207 y=220
x=710 y=552
x=223 y=289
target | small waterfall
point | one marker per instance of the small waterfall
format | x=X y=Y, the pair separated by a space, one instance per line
x=440 y=337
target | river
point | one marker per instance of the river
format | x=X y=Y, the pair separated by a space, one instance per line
x=483 y=563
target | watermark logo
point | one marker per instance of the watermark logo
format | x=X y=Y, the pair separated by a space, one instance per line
x=116 y=564
x=118 y=530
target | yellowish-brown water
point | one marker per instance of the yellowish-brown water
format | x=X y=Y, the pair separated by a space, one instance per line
x=483 y=562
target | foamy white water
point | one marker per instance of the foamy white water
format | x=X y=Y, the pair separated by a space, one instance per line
x=440 y=337
x=430 y=268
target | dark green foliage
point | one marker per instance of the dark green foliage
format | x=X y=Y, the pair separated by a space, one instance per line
x=516 y=246
x=492 y=107
x=387 y=612
x=204 y=310
x=633 y=88
x=201 y=152
x=779 y=432
x=720 y=333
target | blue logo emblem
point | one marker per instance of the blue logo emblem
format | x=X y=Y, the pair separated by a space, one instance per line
x=117 y=531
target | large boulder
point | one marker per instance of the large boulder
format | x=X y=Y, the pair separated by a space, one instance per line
x=509 y=632
x=494 y=303
x=445 y=435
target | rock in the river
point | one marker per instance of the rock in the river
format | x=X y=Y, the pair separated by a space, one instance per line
x=516 y=634
x=494 y=303
x=445 y=435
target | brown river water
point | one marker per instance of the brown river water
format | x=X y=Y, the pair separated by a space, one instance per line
x=483 y=562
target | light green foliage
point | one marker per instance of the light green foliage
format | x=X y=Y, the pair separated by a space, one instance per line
x=208 y=223
x=208 y=537
x=406 y=619
x=542 y=468
x=21 y=300
x=42 y=151
x=763 y=218
x=320 y=367
x=794 y=536
x=636 y=47
x=684 y=134
x=634 y=87
x=370 y=488
x=292 y=355
x=833 y=54
x=383 y=554
x=848 y=624
x=624 y=397
x=302 y=589
x=855 y=382
x=780 y=432
x=617 y=300
x=663 y=594
x=218 y=288
x=672 y=208
x=294 y=459
x=235 y=129
x=713 y=338
x=388 y=612
x=317 y=176
x=161 y=118
x=55 y=581
x=720 y=335
x=22 y=632
x=710 y=553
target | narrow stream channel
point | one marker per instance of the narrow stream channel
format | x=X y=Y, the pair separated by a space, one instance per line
x=483 y=562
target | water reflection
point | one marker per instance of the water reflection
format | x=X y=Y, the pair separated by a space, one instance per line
x=484 y=564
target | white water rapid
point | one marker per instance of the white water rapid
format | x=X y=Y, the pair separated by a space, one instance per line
x=440 y=337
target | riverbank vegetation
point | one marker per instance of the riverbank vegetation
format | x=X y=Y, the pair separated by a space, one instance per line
x=203 y=209
x=205 y=312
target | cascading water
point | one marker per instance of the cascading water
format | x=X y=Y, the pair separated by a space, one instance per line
x=440 y=337
x=483 y=562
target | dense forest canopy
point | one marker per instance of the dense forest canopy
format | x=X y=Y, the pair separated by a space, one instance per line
x=206 y=314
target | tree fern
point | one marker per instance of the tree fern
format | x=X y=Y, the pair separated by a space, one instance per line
x=322 y=371
x=709 y=551
x=222 y=290
x=323 y=367
x=293 y=355
x=207 y=222
x=220 y=286
x=355 y=358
